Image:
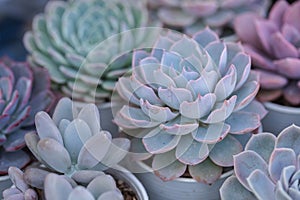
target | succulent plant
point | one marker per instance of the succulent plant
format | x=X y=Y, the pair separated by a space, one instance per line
x=193 y=15
x=186 y=101
x=65 y=38
x=20 y=189
x=73 y=141
x=267 y=169
x=274 y=44
x=101 y=187
x=23 y=92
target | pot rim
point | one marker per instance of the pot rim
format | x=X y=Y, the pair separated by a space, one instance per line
x=4 y=177
x=125 y=175
x=186 y=180
x=281 y=108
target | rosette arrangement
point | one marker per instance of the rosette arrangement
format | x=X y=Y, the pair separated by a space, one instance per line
x=186 y=101
x=267 y=169
x=23 y=92
x=65 y=37
x=274 y=46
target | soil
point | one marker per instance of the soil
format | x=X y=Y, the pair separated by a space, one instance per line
x=127 y=192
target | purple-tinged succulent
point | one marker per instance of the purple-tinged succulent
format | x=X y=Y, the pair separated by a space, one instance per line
x=102 y=187
x=274 y=46
x=20 y=189
x=23 y=92
x=194 y=15
x=269 y=168
x=72 y=140
x=186 y=101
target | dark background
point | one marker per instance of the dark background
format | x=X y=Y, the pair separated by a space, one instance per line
x=15 y=18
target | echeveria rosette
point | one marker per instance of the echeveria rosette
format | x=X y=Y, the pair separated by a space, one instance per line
x=267 y=169
x=194 y=15
x=72 y=140
x=20 y=189
x=23 y=92
x=186 y=102
x=101 y=187
x=64 y=35
x=274 y=46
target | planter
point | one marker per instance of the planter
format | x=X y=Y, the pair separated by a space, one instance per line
x=123 y=174
x=5 y=183
x=280 y=117
x=106 y=117
x=180 y=188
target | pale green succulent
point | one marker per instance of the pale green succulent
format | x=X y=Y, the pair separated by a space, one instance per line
x=64 y=35
x=186 y=103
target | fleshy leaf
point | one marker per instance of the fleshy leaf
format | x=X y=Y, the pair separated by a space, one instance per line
x=222 y=153
x=206 y=172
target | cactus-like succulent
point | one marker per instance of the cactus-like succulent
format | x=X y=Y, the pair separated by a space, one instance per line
x=23 y=92
x=102 y=187
x=20 y=189
x=274 y=44
x=73 y=140
x=193 y=15
x=267 y=169
x=187 y=100
x=63 y=37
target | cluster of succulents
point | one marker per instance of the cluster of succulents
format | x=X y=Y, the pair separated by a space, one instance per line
x=64 y=36
x=73 y=152
x=185 y=102
x=267 y=169
x=193 y=15
x=23 y=93
x=274 y=44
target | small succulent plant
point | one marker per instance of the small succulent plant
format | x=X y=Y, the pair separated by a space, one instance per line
x=102 y=187
x=193 y=15
x=274 y=44
x=86 y=185
x=267 y=169
x=23 y=92
x=73 y=141
x=20 y=190
x=185 y=102
x=64 y=36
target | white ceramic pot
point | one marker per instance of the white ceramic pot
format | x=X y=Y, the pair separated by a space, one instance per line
x=123 y=174
x=5 y=183
x=180 y=188
x=280 y=117
x=106 y=118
